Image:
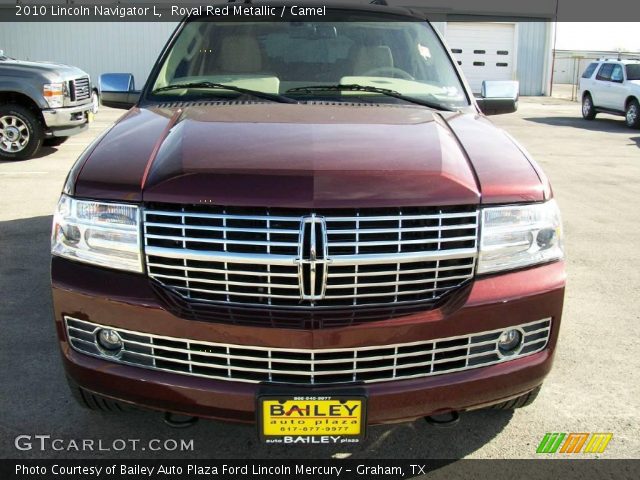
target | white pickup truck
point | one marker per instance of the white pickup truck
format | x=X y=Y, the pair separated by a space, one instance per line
x=612 y=86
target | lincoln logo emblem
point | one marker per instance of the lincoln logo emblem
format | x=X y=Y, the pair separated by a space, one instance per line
x=312 y=258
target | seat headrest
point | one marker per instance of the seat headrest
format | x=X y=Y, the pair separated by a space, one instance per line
x=240 y=54
x=369 y=58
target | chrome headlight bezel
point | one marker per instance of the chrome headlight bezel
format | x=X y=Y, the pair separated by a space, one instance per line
x=519 y=236
x=99 y=233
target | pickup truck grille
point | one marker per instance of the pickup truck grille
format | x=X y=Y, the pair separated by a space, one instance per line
x=322 y=259
x=244 y=363
x=80 y=89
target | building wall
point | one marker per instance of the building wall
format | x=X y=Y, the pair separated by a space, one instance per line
x=570 y=64
x=100 y=47
x=534 y=42
x=533 y=57
x=95 y=47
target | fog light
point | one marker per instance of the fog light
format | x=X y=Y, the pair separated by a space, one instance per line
x=110 y=341
x=546 y=238
x=510 y=342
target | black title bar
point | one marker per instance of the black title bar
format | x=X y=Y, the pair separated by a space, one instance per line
x=316 y=10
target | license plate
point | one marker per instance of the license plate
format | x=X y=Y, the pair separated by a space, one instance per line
x=312 y=419
x=89 y=117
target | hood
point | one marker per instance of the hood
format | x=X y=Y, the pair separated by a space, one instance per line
x=306 y=156
x=52 y=71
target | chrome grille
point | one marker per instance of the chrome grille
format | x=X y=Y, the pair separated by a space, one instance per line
x=80 y=89
x=297 y=366
x=294 y=258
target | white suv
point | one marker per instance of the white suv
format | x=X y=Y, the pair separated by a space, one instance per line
x=612 y=86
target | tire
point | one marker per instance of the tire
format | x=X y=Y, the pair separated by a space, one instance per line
x=588 y=109
x=518 y=402
x=95 y=102
x=632 y=114
x=94 y=402
x=54 y=141
x=21 y=133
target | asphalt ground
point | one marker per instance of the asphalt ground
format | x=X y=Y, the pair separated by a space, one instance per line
x=594 y=386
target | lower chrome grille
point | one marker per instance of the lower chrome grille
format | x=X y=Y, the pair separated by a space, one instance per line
x=327 y=258
x=243 y=363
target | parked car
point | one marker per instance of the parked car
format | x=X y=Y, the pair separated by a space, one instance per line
x=314 y=239
x=40 y=102
x=612 y=86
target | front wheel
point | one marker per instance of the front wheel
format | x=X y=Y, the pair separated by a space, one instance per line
x=21 y=133
x=588 y=110
x=95 y=102
x=632 y=114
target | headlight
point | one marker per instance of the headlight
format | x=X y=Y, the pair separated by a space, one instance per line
x=54 y=94
x=105 y=234
x=519 y=236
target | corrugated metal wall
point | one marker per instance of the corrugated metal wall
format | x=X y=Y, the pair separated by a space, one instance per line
x=533 y=56
x=95 y=47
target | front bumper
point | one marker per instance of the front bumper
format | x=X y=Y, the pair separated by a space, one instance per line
x=66 y=118
x=127 y=301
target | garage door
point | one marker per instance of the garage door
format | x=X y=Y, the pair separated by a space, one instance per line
x=486 y=51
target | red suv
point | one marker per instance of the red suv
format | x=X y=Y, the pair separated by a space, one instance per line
x=311 y=225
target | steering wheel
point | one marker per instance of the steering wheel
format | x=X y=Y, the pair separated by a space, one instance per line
x=394 y=71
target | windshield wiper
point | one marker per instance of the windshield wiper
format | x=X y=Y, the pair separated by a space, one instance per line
x=354 y=87
x=220 y=86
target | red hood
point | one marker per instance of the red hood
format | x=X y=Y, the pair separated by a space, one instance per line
x=309 y=156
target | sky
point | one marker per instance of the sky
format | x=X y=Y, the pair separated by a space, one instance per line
x=598 y=36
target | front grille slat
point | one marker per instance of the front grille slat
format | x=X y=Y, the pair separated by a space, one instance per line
x=261 y=257
x=392 y=284
x=403 y=230
x=243 y=363
x=226 y=242
x=228 y=292
x=361 y=244
x=228 y=282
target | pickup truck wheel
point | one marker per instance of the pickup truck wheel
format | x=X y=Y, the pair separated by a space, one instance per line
x=588 y=110
x=519 y=402
x=95 y=102
x=21 y=133
x=94 y=402
x=632 y=115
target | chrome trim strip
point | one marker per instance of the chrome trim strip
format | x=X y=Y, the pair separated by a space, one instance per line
x=222 y=257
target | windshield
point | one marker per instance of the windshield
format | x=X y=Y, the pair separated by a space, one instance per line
x=278 y=57
x=633 y=72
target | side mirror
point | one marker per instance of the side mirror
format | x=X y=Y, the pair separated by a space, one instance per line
x=498 y=97
x=117 y=90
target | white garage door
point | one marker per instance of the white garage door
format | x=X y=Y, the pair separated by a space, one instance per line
x=486 y=51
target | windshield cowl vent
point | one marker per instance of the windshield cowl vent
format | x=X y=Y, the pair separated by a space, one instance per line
x=207 y=103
